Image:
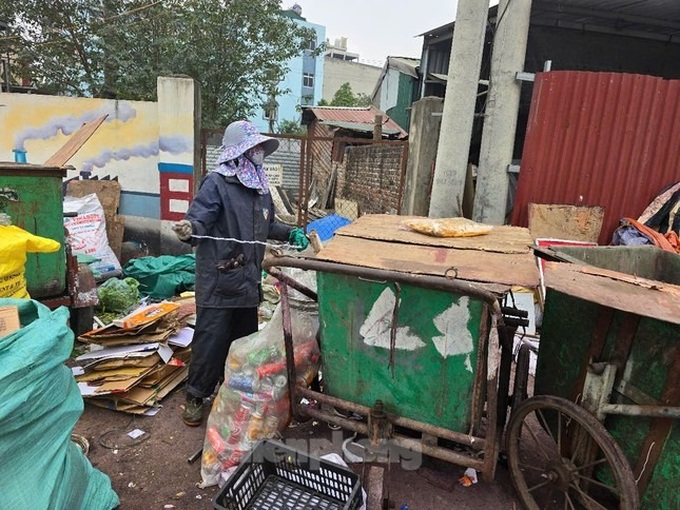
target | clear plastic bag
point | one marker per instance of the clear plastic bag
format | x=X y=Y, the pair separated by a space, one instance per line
x=253 y=402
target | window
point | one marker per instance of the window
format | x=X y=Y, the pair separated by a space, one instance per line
x=270 y=113
x=311 y=45
x=308 y=80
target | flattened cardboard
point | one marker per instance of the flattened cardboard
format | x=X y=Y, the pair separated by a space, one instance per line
x=146 y=315
x=9 y=320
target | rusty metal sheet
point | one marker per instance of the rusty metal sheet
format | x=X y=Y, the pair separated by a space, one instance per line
x=648 y=298
x=386 y=227
x=358 y=115
x=473 y=265
x=599 y=139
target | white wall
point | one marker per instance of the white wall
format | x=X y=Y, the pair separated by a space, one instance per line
x=362 y=77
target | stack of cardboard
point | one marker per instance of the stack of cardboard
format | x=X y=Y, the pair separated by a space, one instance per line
x=136 y=361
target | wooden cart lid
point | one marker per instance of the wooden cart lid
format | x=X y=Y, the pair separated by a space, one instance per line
x=502 y=257
x=648 y=298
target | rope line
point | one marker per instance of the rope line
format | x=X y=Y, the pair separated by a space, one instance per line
x=242 y=241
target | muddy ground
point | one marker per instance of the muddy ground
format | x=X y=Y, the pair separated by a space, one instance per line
x=153 y=472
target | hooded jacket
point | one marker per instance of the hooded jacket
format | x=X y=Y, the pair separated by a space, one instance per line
x=223 y=207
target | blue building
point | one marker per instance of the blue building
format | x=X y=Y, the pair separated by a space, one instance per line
x=303 y=83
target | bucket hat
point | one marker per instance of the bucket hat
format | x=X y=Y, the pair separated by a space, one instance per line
x=241 y=136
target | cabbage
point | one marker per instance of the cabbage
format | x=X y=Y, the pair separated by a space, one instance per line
x=117 y=295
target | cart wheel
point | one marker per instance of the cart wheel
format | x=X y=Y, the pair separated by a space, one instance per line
x=519 y=391
x=560 y=456
x=506 y=337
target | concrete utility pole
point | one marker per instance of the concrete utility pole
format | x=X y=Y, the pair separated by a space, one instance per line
x=500 y=122
x=459 y=108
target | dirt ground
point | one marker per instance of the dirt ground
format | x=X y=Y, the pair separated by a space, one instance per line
x=153 y=472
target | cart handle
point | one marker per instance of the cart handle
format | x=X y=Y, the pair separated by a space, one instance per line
x=424 y=281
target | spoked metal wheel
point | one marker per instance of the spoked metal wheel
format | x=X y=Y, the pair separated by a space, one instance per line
x=561 y=457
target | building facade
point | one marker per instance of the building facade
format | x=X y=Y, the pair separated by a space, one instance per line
x=302 y=85
x=397 y=88
x=342 y=66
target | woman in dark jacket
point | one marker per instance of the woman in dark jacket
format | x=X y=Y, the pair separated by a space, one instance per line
x=229 y=221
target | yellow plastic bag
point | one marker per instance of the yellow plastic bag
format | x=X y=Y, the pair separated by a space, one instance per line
x=14 y=244
x=448 y=227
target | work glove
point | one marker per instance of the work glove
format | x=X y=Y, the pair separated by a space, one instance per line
x=298 y=238
x=183 y=230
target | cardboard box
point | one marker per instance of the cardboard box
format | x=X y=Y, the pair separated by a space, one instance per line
x=9 y=320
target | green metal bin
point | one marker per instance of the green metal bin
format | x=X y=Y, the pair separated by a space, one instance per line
x=430 y=373
x=32 y=196
x=621 y=306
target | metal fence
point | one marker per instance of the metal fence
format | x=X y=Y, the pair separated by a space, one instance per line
x=330 y=179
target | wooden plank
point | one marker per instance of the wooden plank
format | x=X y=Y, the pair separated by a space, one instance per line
x=386 y=227
x=658 y=302
x=375 y=488
x=571 y=222
x=73 y=145
x=480 y=266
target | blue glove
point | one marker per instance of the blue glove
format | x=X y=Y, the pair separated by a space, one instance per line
x=298 y=238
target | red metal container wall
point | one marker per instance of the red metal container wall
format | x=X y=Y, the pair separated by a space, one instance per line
x=604 y=139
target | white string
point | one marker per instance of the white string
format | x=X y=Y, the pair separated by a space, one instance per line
x=644 y=467
x=241 y=241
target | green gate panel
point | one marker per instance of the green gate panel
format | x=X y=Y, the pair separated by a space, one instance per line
x=428 y=377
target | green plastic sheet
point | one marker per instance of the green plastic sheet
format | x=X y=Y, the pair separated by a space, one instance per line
x=163 y=277
x=39 y=405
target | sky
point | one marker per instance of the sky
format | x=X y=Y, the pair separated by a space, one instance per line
x=376 y=29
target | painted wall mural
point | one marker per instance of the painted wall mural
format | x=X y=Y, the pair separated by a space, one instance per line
x=148 y=146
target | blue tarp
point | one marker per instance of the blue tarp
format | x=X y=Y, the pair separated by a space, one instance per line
x=327 y=226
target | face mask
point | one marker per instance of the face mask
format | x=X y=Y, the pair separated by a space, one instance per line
x=255 y=155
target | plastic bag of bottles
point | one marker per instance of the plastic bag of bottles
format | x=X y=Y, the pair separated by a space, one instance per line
x=253 y=402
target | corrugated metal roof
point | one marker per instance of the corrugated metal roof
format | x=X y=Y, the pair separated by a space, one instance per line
x=404 y=65
x=658 y=19
x=602 y=139
x=354 y=115
x=355 y=126
x=655 y=19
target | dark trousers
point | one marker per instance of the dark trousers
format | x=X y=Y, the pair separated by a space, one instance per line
x=216 y=329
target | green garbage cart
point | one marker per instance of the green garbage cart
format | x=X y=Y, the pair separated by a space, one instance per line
x=32 y=195
x=602 y=429
x=411 y=333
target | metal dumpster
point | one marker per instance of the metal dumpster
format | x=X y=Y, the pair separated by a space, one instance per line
x=610 y=342
x=32 y=196
x=411 y=321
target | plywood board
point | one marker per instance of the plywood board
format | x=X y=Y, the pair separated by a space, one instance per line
x=472 y=265
x=115 y=230
x=108 y=192
x=68 y=150
x=648 y=298
x=386 y=227
x=565 y=221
